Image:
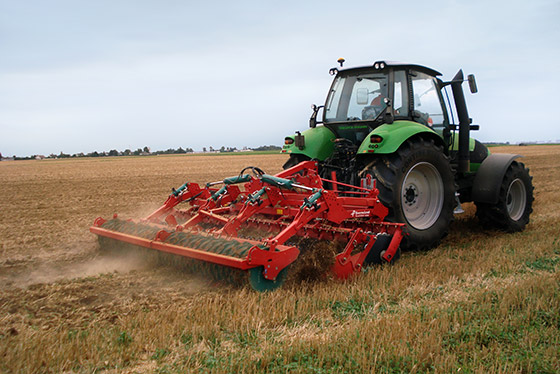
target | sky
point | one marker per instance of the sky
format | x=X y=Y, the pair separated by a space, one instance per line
x=82 y=76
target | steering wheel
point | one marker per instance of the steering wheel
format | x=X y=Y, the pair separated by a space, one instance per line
x=371 y=111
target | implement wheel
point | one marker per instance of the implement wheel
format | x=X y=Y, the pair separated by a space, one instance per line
x=417 y=184
x=260 y=283
x=515 y=203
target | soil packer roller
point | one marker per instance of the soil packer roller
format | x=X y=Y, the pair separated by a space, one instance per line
x=386 y=167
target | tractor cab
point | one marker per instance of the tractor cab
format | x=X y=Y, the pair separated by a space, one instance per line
x=373 y=110
x=363 y=98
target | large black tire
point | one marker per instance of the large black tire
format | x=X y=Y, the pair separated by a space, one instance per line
x=515 y=203
x=294 y=160
x=417 y=184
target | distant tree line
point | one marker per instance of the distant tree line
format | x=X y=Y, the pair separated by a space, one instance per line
x=144 y=152
x=267 y=148
x=222 y=149
x=113 y=152
x=245 y=149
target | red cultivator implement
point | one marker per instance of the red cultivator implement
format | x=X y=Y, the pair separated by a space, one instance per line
x=290 y=204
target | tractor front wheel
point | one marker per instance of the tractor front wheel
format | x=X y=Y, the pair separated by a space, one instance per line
x=417 y=184
x=294 y=160
x=515 y=202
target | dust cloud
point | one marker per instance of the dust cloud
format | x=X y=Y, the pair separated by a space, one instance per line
x=54 y=271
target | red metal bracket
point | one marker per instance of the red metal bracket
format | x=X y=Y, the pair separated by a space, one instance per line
x=273 y=261
x=347 y=263
x=394 y=245
x=99 y=222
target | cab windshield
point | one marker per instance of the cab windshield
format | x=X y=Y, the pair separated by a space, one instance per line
x=356 y=98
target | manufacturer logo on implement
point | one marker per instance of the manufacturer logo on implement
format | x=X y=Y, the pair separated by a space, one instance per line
x=357 y=214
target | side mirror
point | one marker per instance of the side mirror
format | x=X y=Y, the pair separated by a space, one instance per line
x=362 y=96
x=313 y=118
x=389 y=118
x=472 y=83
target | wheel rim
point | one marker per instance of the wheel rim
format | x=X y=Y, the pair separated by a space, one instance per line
x=516 y=199
x=422 y=195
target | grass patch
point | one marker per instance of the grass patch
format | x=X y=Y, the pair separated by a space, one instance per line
x=543 y=264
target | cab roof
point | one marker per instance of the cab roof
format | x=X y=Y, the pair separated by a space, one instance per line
x=381 y=65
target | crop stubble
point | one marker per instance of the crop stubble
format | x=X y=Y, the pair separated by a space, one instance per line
x=482 y=300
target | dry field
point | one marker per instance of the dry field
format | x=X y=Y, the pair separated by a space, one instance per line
x=483 y=301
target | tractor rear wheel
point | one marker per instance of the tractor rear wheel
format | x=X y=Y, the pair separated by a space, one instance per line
x=515 y=203
x=417 y=184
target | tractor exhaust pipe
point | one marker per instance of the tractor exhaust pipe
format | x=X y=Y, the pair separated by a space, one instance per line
x=464 y=122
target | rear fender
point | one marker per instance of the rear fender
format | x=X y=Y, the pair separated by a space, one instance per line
x=394 y=135
x=318 y=144
x=488 y=179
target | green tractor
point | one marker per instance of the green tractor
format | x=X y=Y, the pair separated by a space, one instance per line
x=389 y=124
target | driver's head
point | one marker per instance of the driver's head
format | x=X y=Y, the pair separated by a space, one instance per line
x=377 y=101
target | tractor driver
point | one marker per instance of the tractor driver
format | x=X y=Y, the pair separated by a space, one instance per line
x=377 y=105
x=372 y=111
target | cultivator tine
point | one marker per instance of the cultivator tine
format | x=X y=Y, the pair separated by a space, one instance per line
x=346 y=262
x=393 y=247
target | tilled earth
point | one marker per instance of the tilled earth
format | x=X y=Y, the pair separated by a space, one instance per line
x=65 y=295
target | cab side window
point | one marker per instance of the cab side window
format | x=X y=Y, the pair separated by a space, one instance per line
x=400 y=101
x=427 y=105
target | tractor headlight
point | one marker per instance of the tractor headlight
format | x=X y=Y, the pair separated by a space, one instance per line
x=379 y=65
